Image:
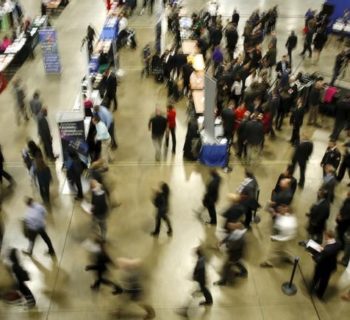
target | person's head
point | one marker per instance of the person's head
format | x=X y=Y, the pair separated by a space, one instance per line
x=157 y=111
x=248 y=174
x=285 y=183
x=285 y=58
x=329 y=235
x=289 y=171
x=96 y=109
x=96 y=119
x=36 y=94
x=94 y=184
x=292 y=33
x=28 y=201
x=213 y=173
x=13 y=256
x=164 y=188
x=44 y=111
x=199 y=252
x=170 y=107
x=322 y=193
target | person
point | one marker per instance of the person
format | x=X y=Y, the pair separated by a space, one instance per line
x=329 y=181
x=45 y=134
x=35 y=104
x=287 y=174
x=307 y=43
x=231 y=35
x=228 y=122
x=3 y=173
x=296 y=120
x=332 y=156
x=249 y=192
x=171 y=127
x=236 y=91
x=34 y=225
x=21 y=110
x=211 y=195
x=291 y=44
x=199 y=276
x=89 y=39
x=99 y=207
x=102 y=136
x=285 y=227
x=107 y=118
x=217 y=57
x=343 y=220
x=283 y=67
x=74 y=171
x=161 y=202
x=157 y=125
x=314 y=101
x=99 y=265
x=43 y=174
x=6 y=41
x=21 y=276
x=338 y=64
x=111 y=89
x=326 y=264
x=345 y=163
x=342 y=116
x=254 y=137
x=301 y=155
x=283 y=197
x=319 y=42
x=318 y=216
x=235 y=244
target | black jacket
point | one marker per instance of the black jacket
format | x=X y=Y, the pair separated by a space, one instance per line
x=212 y=192
x=231 y=38
x=99 y=204
x=292 y=42
x=111 y=85
x=279 y=68
x=319 y=213
x=297 y=117
x=303 y=152
x=228 y=119
x=199 y=271
x=158 y=125
x=332 y=157
x=254 y=132
x=326 y=261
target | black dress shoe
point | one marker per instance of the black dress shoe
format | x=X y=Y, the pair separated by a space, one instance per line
x=205 y=303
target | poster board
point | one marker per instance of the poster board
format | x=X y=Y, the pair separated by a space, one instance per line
x=48 y=40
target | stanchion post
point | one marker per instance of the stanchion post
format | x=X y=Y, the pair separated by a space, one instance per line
x=289 y=288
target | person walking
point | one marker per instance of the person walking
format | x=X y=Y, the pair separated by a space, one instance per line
x=21 y=110
x=345 y=163
x=212 y=195
x=99 y=265
x=157 y=125
x=34 y=225
x=35 y=104
x=171 y=127
x=338 y=65
x=21 y=276
x=43 y=174
x=307 y=43
x=342 y=117
x=199 y=276
x=107 y=118
x=111 y=89
x=74 y=170
x=45 y=134
x=319 y=42
x=103 y=137
x=326 y=264
x=332 y=156
x=3 y=173
x=99 y=208
x=291 y=44
x=285 y=227
x=161 y=202
x=301 y=156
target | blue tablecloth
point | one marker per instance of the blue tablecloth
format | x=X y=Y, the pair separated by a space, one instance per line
x=214 y=155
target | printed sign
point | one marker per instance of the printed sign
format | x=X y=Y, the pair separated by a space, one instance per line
x=48 y=40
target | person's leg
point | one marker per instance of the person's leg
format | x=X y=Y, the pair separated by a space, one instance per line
x=248 y=218
x=167 y=139
x=290 y=55
x=157 y=227
x=168 y=223
x=302 y=169
x=28 y=295
x=212 y=212
x=311 y=115
x=111 y=132
x=117 y=288
x=157 y=142
x=243 y=272
x=47 y=240
x=77 y=182
x=6 y=175
x=102 y=224
x=206 y=293
x=322 y=285
x=173 y=139
x=341 y=171
x=31 y=234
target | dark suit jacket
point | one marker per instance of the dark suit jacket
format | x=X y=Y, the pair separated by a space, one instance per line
x=292 y=42
x=319 y=213
x=212 y=193
x=254 y=132
x=331 y=157
x=326 y=261
x=303 y=151
x=111 y=84
x=279 y=68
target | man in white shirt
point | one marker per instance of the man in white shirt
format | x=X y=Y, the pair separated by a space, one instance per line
x=34 y=224
x=102 y=136
x=285 y=227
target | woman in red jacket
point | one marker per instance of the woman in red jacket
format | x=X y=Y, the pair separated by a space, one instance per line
x=171 y=119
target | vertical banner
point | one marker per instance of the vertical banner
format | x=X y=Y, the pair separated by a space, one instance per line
x=72 y=134
x=209 y=106
x=48 y=40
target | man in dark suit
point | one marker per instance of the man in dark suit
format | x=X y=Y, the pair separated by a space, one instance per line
x=111 y=89
x=231 y=35
x=211 y=196
x=296 y=120
x=318 y=215
x=254 y=136
x=291 y=45
x=228 y=122
x=331 y=157
x=301 y=156
x=326 y=264
x=342 y=117
x=283 y=67
x=45 y=134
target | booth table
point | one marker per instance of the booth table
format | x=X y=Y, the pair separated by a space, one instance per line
x=340 y=27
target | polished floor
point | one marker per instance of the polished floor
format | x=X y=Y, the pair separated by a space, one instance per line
x=63 y=289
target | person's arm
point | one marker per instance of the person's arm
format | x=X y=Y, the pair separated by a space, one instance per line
x=150 y=124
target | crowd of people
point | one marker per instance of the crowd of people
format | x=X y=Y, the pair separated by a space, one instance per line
x=256 y=92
